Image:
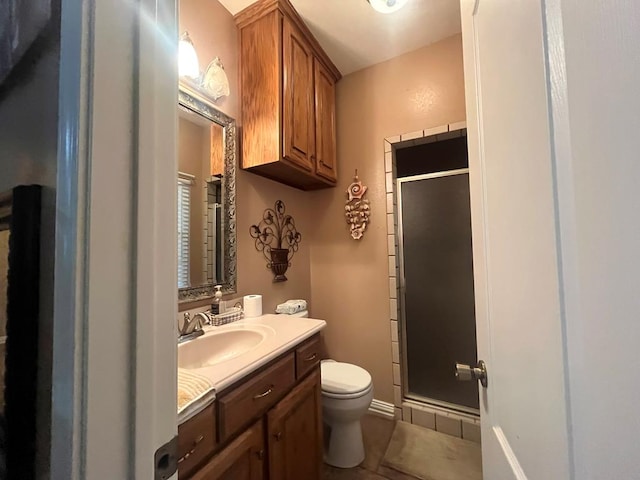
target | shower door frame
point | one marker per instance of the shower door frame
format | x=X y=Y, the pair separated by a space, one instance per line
x=404 y=364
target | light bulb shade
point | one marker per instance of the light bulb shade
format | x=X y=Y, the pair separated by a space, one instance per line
x=188 y=65
x=387 y=6
x=215 y=81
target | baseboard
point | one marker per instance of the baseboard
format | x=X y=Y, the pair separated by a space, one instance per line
x=383 y=409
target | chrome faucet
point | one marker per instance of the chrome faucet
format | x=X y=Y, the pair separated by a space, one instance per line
x=192 y=327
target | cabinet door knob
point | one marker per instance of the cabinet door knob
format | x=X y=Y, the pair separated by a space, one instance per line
x=260 y=454
x=278 y=436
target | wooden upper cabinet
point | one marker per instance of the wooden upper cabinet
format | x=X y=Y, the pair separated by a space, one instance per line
x=325 y=121
x=297 y=98
x=287 y=91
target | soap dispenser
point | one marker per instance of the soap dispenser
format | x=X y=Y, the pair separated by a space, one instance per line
x=217 y=305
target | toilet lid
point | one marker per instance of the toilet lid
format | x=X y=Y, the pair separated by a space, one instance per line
x=344 y=378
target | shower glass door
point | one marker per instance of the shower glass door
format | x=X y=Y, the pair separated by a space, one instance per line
x=436 y=280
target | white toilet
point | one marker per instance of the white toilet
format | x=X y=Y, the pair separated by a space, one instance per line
x=346 y=395
x=347 y=392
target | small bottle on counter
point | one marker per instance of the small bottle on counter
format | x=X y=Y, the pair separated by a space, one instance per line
x=217 y=306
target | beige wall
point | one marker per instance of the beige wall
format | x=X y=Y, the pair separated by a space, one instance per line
x=254 y=195
x=214 y=33
x=349 y=279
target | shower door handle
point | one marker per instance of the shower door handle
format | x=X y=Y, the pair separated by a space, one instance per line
x=467 y=373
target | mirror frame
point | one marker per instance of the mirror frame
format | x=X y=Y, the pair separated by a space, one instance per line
x=197 y=102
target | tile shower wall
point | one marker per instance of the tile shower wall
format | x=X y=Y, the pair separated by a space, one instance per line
x=439 y=419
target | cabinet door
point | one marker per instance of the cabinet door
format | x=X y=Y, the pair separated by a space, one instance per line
x=325 y=122
x=298 y=124
x=196 y=440
x=242 y=459
x=295 y=433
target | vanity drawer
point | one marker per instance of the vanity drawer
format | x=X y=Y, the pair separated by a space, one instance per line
x=308 y=356
x=247 y=401
x=196 y=440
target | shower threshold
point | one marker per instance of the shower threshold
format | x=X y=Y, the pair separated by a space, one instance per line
x=440 y=405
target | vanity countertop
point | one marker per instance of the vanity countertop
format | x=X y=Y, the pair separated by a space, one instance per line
x=228 y=353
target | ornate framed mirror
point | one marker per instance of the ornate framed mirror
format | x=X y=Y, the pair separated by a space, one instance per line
x=206 y=187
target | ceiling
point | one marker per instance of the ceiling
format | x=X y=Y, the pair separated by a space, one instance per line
x=355 y=36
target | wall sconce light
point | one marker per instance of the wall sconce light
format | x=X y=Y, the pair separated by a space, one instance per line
x=387 y=6
x=188 y=65
x=213 y=82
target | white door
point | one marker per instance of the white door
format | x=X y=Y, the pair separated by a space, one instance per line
x=114 y=334
x=518 y=300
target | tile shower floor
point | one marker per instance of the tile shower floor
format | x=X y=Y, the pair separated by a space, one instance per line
x=461 y=459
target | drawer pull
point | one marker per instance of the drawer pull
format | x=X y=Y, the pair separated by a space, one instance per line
x=264 y=394
x=311 y=358
x=192 y=451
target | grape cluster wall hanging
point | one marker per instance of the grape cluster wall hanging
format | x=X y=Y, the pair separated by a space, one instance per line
x=357 y=210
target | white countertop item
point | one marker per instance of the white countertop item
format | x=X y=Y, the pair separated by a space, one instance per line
x=292 y=306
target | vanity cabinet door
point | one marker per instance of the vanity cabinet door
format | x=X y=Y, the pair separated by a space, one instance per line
x=294 y=428
x=196 y=440
x=298 y=119
x=242 y=459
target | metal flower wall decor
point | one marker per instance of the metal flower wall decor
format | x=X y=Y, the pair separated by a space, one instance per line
x=277 y=238
x=357 y=210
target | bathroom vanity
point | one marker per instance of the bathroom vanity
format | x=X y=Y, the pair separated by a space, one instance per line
x=265 y=422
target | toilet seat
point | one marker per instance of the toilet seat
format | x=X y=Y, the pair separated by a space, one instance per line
x=347 y=396
x=344 y=380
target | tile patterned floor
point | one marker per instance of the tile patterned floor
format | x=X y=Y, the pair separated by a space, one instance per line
x=377 y=432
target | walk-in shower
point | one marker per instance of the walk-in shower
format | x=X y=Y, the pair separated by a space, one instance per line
x=437 y=311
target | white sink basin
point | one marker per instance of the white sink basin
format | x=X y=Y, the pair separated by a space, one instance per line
x=217 y=346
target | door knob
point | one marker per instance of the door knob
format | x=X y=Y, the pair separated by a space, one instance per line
x=466 y=373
